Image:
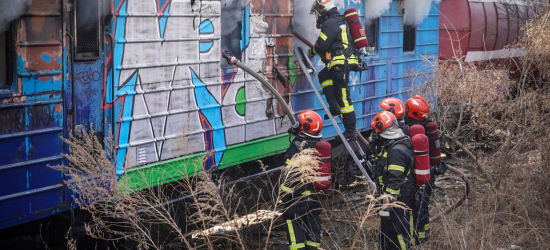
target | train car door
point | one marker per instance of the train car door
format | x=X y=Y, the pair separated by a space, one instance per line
x=88 y=61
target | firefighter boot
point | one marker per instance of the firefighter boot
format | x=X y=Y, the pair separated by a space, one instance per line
x=349 y=124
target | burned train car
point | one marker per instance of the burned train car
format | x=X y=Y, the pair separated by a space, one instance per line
x=151 y=73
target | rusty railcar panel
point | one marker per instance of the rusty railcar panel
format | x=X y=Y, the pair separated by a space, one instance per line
x=32 y=119
x=279 y=17
x=45 y=7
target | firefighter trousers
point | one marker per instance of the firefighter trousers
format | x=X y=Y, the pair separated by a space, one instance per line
x=335 y=87
x=421 y=211
x=395 y=230
x=303 y=225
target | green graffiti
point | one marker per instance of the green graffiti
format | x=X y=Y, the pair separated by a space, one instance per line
x=241 y=102
x=291 y=67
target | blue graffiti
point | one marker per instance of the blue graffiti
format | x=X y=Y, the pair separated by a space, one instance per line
x=212 y=112
x=206 y=27
x=124 y=104
x=206 y=46
x=164 y=19
x=245 y=29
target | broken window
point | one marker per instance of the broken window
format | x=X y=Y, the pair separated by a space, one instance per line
x=409 y=38
x=371 y=30
x=3 y=61
x=6 y=59
x=87 y=25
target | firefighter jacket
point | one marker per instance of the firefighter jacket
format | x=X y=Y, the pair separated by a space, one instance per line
x=395 y=167
x=336 y=40
x=294 y=189
x=423 y=123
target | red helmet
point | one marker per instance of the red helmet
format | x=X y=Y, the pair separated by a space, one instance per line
x=383 y=120
x=310 y=122
x=417 y=108
x=393 y=105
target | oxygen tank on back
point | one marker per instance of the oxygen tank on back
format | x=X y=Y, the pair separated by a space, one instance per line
x=421 y=148
x=356 y=28
x=433 y=135
x=324 y=171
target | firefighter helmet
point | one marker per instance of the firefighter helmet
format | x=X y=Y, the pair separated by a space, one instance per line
x=417 y=108
x=383 y=121
x=320 y=7
x=310 y=122
x=393 y=105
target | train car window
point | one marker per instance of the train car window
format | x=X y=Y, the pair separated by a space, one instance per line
x=371 y=30
x=6 y=59
x=87 y=25
x=409 y=38
x=3 y=61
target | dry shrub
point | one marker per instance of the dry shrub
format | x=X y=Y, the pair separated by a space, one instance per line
x=482 y=223
x=496 y=117
x=195 y=213
x=351 y=218
x=89 y=165
x=212 y=214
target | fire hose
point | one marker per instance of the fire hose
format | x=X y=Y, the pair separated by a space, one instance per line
x=457 y=204
x=234 y=61
x=452 y=169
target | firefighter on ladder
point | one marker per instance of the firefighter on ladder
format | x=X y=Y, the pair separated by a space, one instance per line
x=334 y=46
x=303 y=214
x=394 y=178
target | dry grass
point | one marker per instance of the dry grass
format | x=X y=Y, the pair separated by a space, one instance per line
x=215 y=216
x=496 y=124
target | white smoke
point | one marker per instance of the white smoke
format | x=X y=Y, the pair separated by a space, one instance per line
x=11 y=10
x=232 y=11
x=417 y=10
x=375 y=9
x=304 y=23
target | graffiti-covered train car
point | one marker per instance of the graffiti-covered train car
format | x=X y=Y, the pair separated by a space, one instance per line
x=151 y=71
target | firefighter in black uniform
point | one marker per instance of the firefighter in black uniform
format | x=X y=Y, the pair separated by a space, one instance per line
x=393 y=174
x=303 y=214
x=416 y=112
x=335 y=44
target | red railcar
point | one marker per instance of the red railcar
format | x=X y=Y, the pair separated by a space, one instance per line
x=480 y=30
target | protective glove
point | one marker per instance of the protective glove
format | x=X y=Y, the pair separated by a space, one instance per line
x=385 y=213
x=310 y=52
x=295 y=128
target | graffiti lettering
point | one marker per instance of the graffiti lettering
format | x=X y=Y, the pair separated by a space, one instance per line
x=87 y=76
x=40 y=115
x=12 y=121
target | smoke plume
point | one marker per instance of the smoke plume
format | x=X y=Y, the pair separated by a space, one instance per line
x=232 y=16
x=417 y=10
x=375 y=8
x=304 y=23
x=11 y=10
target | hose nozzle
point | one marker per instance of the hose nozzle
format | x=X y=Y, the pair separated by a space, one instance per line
x=230 y=59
